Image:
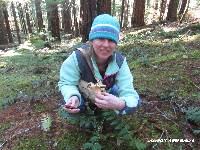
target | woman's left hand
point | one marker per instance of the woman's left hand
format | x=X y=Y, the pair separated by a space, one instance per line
x=109 y=101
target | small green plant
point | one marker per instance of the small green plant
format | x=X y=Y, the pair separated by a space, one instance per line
x=40 y=107
x=31 y=144
x=46 y=122
x=4 y=126
x=37 y=41
x=93 y=143
x=144 y=60
x=193 y=115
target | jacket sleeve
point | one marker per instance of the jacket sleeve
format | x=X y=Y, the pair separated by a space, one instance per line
x=126 y=89
x=69 y=78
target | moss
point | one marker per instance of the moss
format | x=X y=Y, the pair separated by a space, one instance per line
x=31 y=144
x=71 y=140
x=4 y=126
x=39 y=107
x=21 y=77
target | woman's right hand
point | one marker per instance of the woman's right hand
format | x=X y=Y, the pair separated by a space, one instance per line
x=72 y=104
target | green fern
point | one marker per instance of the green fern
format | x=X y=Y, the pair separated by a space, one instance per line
x=93 y=142
x=193 y=114
x=124 y=135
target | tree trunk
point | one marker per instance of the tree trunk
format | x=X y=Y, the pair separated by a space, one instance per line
x=48 y=15
x=39 y=14
x=113 y=8
x=156 y=12
x=28 y=19
x=137 y=19
x=87 y=14
x=76 y=29
x=16 y=24
x=172 y=10
x=3 y=37
x=122 y=13
x=182 y=16
x=162 y=9
x=21 y=17
x=126 y=9
x=66 y=16
x=183 y=6
x=103 y=6
x=54 y=19
x=7 y=25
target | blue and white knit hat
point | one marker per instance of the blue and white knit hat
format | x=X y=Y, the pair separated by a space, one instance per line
x=105 y=26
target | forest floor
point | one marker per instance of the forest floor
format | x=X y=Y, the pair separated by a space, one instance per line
x=165 y=62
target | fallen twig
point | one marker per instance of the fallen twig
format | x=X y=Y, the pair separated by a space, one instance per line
x=173 y=109
x=2 y=144
x=165 y=116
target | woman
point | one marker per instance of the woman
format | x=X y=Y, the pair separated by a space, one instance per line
x=108 y=66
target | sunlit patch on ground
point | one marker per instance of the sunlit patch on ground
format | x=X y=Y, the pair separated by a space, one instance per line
x=9 y=53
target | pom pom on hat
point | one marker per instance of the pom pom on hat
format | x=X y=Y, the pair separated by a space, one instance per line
x=105 y=26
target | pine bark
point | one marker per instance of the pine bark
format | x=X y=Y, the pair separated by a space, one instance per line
x=28 y=21
x=54 y=19
x=162 y=9
x=172 y=11
x=39 y=14
x=22 y=18
x=137 y=19
x=6 y=16
x=183 y=6
x=125 y=24
x=87 y=14
x=16 y=23
x=113 y=8
x=3 y=37
x=66 y=16
x=103 y=6
x=74 y=12
x=122 y=13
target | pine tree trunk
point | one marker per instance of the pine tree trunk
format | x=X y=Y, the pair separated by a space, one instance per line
x=162 y=9
x=126 y=9
x=76 y=29
x=182 y=16
x=28 y=19
x=54 y=19
x=16 y=24
x=87 y=14
x=22 y=18
x=3 y=37
x=172 y=10
x=122 y=13
x=39 y=14
x=113 y=8
x=103 y=6
x=66 y=16
x=137 y=19
x=156 y=12
x=7 y=25
x=183 y=6
x=48 y=15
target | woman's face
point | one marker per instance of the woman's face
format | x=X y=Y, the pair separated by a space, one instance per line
x=103 y=48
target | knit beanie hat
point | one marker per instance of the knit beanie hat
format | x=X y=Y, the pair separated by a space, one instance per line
x=105 y=26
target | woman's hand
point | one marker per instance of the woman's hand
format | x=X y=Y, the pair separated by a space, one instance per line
x=109 y=101
x=72 y=104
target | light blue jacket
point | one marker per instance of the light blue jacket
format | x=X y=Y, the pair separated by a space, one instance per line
x=70 y=75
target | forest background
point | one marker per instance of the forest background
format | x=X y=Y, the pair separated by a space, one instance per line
x=161 y=41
